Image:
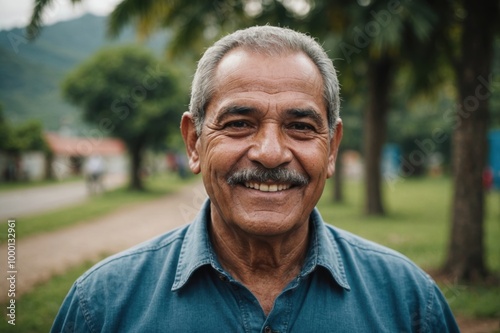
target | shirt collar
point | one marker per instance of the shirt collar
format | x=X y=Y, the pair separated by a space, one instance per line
x=197 y=251
x=324 y=252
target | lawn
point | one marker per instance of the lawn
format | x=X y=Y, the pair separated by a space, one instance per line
x=25 y=184
x=417 y=226
x=36 y=310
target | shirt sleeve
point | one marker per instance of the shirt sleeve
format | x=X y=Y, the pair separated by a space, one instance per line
x=439 y=315
x=70 y=317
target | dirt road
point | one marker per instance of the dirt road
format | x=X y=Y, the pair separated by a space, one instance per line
x=41 y=256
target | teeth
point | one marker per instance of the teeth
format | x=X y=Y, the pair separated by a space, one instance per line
x=267 y=187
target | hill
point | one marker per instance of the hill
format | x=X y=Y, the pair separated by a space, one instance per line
x=31 y=72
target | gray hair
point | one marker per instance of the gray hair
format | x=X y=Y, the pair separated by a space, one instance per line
x=271 y=41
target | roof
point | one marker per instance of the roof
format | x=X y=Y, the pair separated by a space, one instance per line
x=77 y=146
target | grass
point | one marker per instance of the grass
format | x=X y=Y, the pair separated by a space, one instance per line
x=36 y=310
x=417 y=226
x=95 y=207
x=25 y=184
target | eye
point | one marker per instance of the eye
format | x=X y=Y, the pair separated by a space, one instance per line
x=236 y=124
x=302 y=127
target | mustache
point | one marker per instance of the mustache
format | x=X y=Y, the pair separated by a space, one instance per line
x=263 y=175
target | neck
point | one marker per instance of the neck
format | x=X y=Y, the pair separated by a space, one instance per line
x=264 y=264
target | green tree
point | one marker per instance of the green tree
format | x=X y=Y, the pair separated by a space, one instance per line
x=127 y=93
x=473 y=62
x=16 y=139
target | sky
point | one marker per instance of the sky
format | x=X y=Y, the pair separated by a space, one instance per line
x=16 y=13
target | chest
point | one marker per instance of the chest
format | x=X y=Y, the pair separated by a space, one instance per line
x=314 y=305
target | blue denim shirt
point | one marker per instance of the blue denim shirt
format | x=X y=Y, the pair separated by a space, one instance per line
x=174 y=283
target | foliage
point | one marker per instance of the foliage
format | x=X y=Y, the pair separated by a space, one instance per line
x=127 y=93
x=21 y=138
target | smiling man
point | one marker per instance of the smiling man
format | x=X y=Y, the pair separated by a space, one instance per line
x=263 y=129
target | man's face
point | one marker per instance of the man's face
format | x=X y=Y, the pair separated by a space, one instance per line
x=267 y=113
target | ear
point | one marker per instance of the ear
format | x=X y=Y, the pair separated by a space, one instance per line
x=334 y=148
x=190 y=137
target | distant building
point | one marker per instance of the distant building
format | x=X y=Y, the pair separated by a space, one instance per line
x=68 y=154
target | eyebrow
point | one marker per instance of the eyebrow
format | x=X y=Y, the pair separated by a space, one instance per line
x=234 y=110
x=306 y=113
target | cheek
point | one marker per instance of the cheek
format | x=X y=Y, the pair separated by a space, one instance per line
x=314 y=160
x=221 y=156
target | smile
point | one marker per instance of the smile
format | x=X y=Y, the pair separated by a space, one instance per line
x=267 y=187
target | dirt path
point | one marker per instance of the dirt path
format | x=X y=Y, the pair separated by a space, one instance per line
x=41 y=256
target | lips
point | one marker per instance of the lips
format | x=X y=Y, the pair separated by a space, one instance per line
x=267 y=187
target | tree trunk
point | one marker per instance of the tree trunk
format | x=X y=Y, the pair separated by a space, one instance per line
x=465 y=259
x=375 y=128
x=135 y=170
x=338 y=193
x=49 y=172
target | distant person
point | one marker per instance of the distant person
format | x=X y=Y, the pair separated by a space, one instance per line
x=182 y=165
x=263 y=129
x=94 y=172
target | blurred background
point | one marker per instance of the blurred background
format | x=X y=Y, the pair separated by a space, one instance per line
x=91 y=95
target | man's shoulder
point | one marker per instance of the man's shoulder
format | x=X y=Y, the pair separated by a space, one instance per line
x=149 y=256
x=372 y=257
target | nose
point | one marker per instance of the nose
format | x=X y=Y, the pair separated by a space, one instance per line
x=269 y=147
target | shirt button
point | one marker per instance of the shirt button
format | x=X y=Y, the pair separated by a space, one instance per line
x=268 y=329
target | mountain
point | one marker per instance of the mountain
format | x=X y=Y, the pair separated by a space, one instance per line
x=31 y=72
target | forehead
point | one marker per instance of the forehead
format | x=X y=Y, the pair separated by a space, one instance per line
x=242 y=72
x=297 y=65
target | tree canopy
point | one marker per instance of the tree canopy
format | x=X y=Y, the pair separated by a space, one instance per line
x=126 y=92
x=23 y=137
